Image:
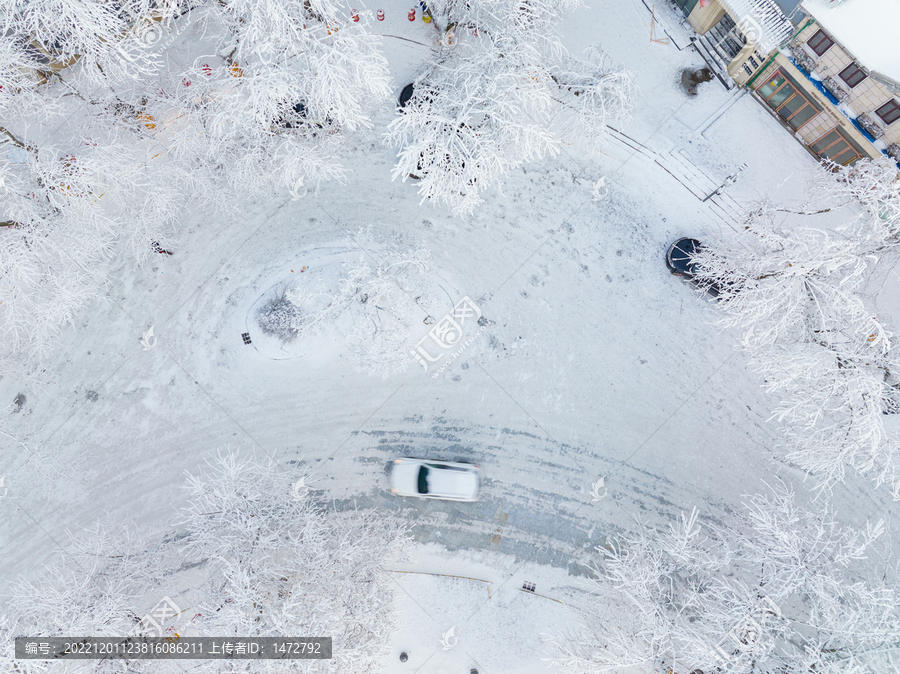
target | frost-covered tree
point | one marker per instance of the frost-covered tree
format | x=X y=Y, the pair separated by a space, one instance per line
x=501 y=92
x=288 y=81
x=54 y=245
x=21 y=78
x=277 y=564
x=266 y=112
x=265 y=560
x=786 y=591
x=872 y=184
x=96 y=590
x=65 y=217
x=382 y=298
x=794 y=292
x=107 y=40
x=381 y=295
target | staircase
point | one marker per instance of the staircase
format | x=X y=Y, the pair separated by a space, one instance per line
x=719 y=205
x=719 y=46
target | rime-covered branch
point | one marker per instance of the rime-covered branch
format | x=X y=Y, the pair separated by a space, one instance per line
x=786 y=590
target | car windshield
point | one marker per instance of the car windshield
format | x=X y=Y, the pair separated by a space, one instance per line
x=423 y=480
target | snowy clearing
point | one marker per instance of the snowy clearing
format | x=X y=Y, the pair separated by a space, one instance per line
x=594 y=361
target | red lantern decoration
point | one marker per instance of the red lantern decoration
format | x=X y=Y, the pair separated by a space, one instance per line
x=412 y=14
x=186 y=82
x=380 y=15
x=206 y=69
x=354 y=14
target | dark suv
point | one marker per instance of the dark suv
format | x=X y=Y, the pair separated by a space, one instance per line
x=680 y=261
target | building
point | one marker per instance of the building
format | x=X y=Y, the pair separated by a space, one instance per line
x=735 y=37
x=833 y=79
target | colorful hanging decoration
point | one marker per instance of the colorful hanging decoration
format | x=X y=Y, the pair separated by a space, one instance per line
x=412 y=14
x=380 y=15
x=354 y=14
x=207 y=70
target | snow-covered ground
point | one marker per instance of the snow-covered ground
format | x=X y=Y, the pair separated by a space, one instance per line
x=594 y=362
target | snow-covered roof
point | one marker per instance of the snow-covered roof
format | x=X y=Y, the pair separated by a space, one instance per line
x=867 y=28
x=761 y=21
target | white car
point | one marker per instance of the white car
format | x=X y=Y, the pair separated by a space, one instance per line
x=427 y=478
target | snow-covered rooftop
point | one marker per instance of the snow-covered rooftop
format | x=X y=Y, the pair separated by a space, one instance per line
x=867 y=28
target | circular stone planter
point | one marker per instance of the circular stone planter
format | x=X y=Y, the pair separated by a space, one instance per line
x=316 y=268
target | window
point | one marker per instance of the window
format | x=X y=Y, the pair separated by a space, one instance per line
x=852 y=75
x=820 y=43
x=687 y=6
x=889 y=112
x=768 y=88
x=787 y=98
x=837 y=147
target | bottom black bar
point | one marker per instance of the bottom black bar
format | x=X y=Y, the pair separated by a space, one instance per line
x=173 y=648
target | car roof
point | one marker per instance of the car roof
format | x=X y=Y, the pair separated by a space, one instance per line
x=681 y=251
x=450 y=480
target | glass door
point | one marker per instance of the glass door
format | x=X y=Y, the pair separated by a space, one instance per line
x=837 y=148
x=788 y=100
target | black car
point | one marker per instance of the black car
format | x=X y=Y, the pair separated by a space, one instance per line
x=297 y=117
x=680 y=261
x=406 y=94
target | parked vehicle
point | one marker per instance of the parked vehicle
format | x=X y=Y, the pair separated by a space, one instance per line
x=427 y=478
x=298 y=118
x=680 y=261
x=406 y=94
